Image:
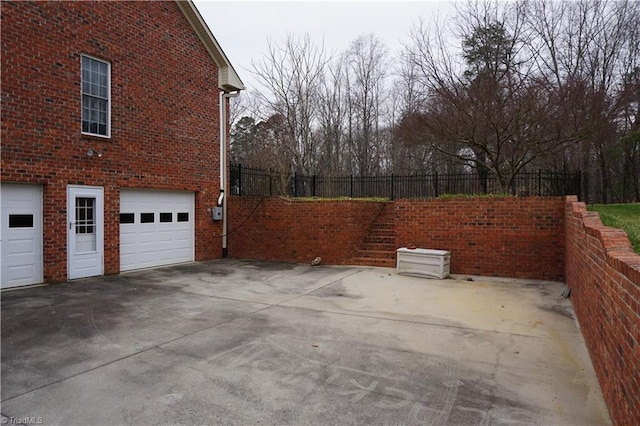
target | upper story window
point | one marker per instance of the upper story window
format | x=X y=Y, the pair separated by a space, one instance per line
x=96 y=96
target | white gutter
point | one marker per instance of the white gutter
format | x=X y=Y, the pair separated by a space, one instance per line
x=222 y=199
x=229 y=83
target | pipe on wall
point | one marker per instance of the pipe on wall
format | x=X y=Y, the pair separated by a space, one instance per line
x=222 y=199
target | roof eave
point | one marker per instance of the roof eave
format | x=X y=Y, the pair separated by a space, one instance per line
x=228 y=79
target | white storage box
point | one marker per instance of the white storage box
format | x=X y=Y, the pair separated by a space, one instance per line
x=423 y=262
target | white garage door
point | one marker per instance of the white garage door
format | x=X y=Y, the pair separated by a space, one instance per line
x=156 y=228
x=20 y=234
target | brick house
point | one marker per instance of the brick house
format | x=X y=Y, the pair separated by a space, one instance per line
x=111 y=138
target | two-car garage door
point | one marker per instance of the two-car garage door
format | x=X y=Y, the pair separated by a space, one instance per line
x=156 y=228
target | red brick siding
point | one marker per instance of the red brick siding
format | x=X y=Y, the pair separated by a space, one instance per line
x=164 y=114
x=507 y=237
x=604 y=275
x=298 y=231
x=504 y=237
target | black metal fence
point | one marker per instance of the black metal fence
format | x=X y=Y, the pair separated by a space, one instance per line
x=251 y=182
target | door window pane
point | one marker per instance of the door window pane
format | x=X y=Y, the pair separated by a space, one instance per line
x=85 y=208
x=85 y=225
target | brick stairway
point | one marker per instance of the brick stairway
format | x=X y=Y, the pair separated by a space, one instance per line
x=378 y=247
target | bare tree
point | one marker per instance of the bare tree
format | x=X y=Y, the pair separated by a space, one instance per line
x=292 y=73
x=366 y=63
x=507 y=87
x=533 y=79
x=587 y=50
x=485 y=109
x=332 y=159
x=246 y=105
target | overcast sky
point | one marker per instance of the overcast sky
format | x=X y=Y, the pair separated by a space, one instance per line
x=243 y=27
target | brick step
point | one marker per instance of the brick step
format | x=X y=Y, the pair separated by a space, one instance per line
x=378 y=246
x=383 y=232
x=379 y=240
x=381 y=228
x=379 y=254
x=383 y=225
x=370 y=261
x=385 y=235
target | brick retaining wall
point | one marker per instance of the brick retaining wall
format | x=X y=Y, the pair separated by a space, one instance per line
x=504 y=237
x=604 y=275
x=293 y=230
x=507 y=237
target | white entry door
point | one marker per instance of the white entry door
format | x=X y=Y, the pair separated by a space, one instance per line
x=85 y=231
x=20 y=234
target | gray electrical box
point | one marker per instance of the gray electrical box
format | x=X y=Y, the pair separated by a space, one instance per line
x=217 y=213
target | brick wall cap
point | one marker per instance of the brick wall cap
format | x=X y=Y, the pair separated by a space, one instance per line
x=613 y=241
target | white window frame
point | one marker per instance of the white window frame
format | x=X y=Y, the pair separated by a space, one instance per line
x=108 y=135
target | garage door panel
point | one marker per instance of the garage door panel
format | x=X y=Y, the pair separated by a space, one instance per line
x=20 y=273
x=182 y=236
x=26 y=194
x=147 y=247
x=166 y=236
x=147 y=237
x=21 y=247
x=126 y=258
x=164 y=240
x=167 y=255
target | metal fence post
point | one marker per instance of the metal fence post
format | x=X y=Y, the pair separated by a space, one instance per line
x=313 y=185
x=295 y=184
x=435 y=184
x=240 y=180
x=351 y=189
x=579 y=185
x=539 y=182
x=392 y=194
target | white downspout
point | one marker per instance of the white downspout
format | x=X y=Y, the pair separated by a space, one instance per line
x=222 y=198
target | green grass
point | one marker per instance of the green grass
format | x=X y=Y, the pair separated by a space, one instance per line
x=478 y=195
x=623 y=216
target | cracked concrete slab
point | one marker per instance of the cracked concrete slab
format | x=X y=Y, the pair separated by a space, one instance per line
x=235 y=342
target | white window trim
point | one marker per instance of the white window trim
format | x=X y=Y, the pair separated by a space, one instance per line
x=108 y=135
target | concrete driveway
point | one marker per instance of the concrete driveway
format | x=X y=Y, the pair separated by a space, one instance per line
x=235 y=342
